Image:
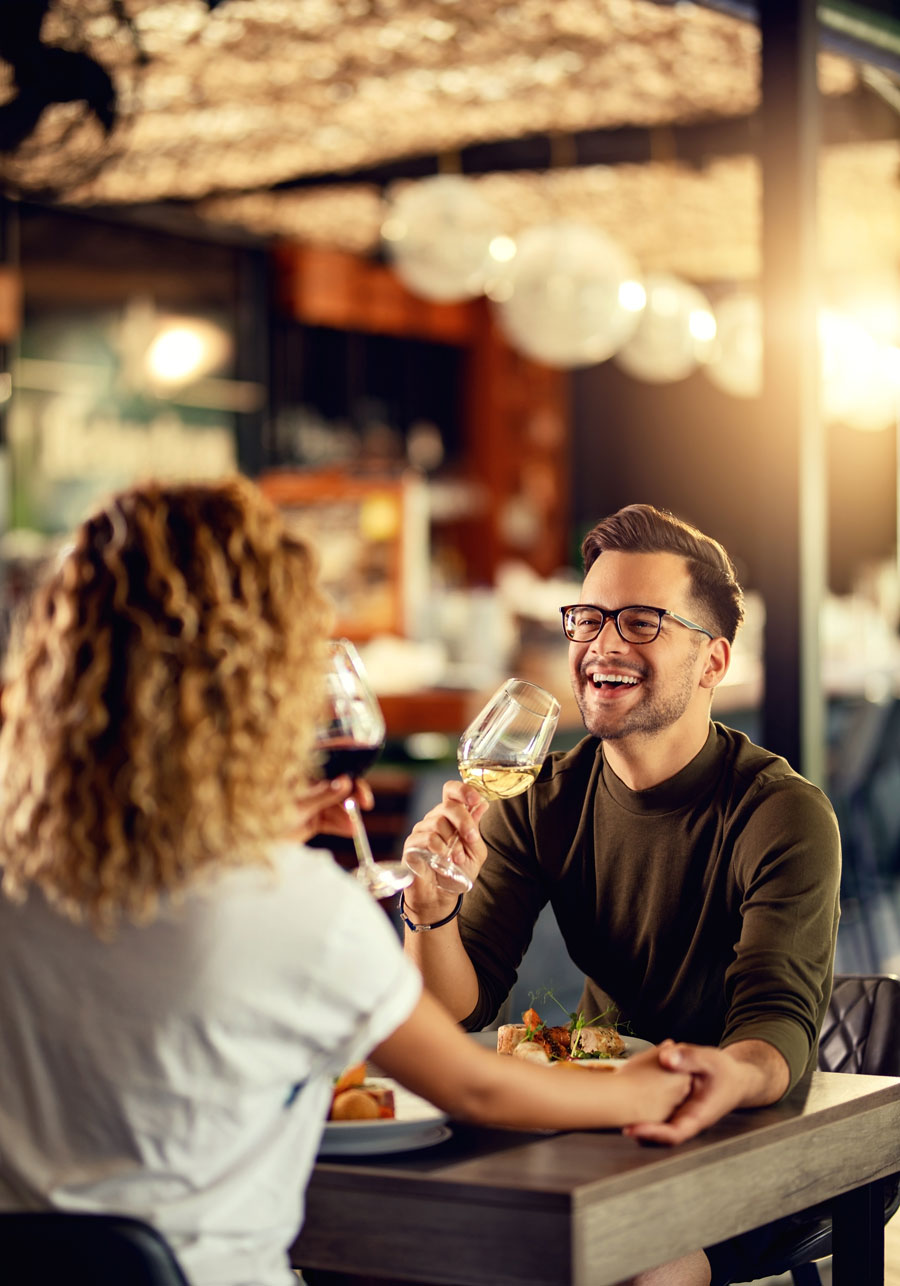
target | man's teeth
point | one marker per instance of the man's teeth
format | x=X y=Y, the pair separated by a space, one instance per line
x=598 y=679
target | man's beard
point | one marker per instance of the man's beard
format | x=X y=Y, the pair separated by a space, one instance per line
x=651 y=714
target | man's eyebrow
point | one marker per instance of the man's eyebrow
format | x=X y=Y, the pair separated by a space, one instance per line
x=602 y=607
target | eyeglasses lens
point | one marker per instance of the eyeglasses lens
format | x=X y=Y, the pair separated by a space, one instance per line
x=638 y=625
x=635 y=624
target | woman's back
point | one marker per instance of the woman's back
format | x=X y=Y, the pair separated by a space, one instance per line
x=181 y=1071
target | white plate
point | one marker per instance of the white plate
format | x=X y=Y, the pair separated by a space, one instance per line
x=633 y=1045
x=417 y=1124
x=343 y=1145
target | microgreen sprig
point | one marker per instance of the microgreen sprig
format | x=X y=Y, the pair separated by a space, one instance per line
x=577 y=1021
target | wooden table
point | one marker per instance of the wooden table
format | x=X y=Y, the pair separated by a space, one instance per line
x=489 y=1207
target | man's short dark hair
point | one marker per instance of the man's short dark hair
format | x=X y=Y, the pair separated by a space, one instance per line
x=643 y=529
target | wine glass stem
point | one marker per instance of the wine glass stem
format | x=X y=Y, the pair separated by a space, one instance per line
x=360 y=838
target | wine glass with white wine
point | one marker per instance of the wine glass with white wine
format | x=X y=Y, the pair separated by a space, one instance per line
x=500 y=754
x=349 y=739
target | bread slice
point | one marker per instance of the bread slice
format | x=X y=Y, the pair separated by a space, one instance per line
x=509 y=1036
x=363 y=1103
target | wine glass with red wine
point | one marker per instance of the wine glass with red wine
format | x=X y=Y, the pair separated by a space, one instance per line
x=349 y=740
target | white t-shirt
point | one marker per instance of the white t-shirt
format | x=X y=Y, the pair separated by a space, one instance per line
x=182 y=1072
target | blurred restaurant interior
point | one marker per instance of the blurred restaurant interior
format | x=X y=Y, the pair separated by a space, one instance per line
x=453 y=280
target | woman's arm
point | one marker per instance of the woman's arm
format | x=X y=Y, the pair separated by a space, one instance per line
x=431 y=1056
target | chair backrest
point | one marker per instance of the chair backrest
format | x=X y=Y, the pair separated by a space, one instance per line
x=861 y=1031
x=50 y=1248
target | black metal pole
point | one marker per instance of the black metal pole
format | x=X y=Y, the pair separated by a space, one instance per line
x=253 y=331
x=790 y=431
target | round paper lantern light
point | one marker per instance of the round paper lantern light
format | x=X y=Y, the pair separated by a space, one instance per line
x=675 y=332
x=735 y=364
x=439 y=236
x=568 y=297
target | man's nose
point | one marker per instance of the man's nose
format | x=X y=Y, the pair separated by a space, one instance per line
x=609 y=637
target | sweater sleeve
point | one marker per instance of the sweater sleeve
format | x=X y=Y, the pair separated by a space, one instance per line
x=529 y=839
x=499 y=913
x=787 y=864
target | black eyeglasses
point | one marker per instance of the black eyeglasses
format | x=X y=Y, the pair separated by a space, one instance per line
x=582 y=622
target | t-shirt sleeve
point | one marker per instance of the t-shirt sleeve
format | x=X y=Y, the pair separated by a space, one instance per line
x=787 y=862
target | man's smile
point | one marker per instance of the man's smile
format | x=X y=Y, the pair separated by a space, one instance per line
x=611 y=682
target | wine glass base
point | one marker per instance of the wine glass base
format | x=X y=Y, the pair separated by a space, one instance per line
x=452 y=881
x=447 y=875
x=388 y=879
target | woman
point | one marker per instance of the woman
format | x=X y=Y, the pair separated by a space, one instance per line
x=179 y=983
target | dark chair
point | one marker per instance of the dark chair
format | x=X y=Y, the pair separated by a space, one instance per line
x=49 y=1248
x=861 y=1033
x=864 y=787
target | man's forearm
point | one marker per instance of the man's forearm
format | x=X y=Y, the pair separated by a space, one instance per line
x=440 y=956
x=767 y=1073
x=748 y=1073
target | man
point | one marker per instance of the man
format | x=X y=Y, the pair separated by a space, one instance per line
x=694 y=876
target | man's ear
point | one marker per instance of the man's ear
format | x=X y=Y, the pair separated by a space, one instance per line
x=718 y=658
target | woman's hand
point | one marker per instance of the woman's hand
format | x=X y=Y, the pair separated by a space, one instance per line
x=748 y=1073
x=659 y=1092
x=320 y=807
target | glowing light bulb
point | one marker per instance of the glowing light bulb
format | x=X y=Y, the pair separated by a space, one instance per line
x=502 y=249
x=632 y=296
x=702 y=325
x=185 y=349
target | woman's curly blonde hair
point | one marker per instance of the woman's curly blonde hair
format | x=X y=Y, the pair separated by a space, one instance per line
x=159 y=711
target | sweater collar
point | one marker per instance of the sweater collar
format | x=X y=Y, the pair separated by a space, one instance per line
x=687 y=786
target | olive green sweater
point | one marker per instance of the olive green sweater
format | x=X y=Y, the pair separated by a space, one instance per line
x=705 y=908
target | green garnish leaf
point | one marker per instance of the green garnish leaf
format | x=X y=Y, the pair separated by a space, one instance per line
x=577 y=1020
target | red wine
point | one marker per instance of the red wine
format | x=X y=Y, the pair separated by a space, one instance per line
x=348 y=757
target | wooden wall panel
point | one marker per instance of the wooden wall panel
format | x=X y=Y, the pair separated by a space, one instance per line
x=516 y=426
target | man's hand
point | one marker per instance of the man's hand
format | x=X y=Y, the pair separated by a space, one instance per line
x=320 y=807
x=749 y=1073
x=659 y=1092
x=453 y=821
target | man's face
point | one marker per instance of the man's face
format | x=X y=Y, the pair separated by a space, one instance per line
x=623 y=688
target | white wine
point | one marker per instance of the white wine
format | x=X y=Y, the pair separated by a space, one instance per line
x=500 y=754
x=497 y=781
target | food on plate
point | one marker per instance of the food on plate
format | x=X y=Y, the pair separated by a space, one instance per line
x=354 y=1105
x=349 y=1078
x=353 y=1098
x=589 y=1064
x=578 y=1044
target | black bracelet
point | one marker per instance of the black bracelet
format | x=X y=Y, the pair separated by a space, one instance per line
x=424 y=928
